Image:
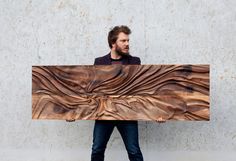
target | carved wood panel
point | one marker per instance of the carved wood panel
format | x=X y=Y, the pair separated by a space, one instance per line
x=121 y=92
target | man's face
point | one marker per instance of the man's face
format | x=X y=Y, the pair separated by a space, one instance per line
x=122 y=44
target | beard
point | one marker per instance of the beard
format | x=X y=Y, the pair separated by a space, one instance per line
x=120 y=52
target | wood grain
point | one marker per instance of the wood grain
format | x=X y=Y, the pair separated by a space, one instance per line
x=121 y=92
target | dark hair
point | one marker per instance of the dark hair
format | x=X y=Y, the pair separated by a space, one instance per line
x=114 y=32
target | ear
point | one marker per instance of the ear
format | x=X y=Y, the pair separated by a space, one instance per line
x=113 y=45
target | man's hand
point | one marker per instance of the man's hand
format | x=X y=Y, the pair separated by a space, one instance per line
x=160 y=120
x=70 y=120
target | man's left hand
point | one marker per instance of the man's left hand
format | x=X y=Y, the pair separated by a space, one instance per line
x=160 y=120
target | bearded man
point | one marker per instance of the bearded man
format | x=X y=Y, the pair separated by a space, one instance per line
x=118 y=40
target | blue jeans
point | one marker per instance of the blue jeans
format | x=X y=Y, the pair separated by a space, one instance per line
x=129 y=133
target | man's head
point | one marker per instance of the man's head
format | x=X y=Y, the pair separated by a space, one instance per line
x=118 y=39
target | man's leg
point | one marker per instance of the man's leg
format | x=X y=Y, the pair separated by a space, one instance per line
x=129 y=134
x=101 y=134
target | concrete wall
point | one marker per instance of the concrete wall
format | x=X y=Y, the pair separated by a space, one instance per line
x=65 y=32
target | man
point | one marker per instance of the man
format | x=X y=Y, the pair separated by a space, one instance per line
x=118 y=40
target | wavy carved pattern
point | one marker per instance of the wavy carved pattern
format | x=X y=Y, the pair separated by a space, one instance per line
x=121 y=92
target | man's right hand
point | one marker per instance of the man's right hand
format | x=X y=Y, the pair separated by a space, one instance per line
x=70 y=120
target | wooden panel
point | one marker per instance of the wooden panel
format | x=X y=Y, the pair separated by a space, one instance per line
x=121 y=92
